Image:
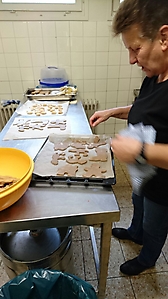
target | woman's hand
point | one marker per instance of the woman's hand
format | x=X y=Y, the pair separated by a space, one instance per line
x=126 y=149
x=99 y=116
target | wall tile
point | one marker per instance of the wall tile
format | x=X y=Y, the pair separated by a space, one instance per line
x=4 y=87
x=101 y=85
x=125 y=71
x=100 y=97
x=101 y=72
x=20 y=29
x=48 y=29
x=27 y=74
x=23 y=45
x=34 y=29
x=89 y=72
x=38 y=59
x=113 y=71
x=76 y=29
x=51 y=59
x=115 y=44
x=6 y=96
x=76 y=44
x=6 y=29
x=122 y=97
x=2 y=60
x=77 y=72
x=89 y=44
x=25 y=59
x=14 y=74
x=89 y=58
x=28 y=84
x=124 y=84
x=111 y=97
x=4 y=75
x=64 y=58
x=89 y=28
x=1 y=47
x=76 y=58
x=11 y=60
x=110 y=129
x=112 y=84
x=50 y=44
x=101 y=58
x=89 y=85
x=102 y=44
x=110 y=105
x=16 y=87
x=103 y=29
x=100 y=129
x=125 y=58
x=62 y=28
x=63 y=44
x=36 y=45
x=37 y=74
x=114 y=58
x=9 y=45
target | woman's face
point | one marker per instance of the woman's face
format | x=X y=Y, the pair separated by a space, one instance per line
x=145 y=53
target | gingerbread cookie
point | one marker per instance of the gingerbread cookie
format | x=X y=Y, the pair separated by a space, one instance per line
x=78 y=145
x=78 y=152
x=61 y=146
x=76 y=160
x=101 y=155
x=69 y=170
x=94 y=171
x=95 y=145
x=57 y=157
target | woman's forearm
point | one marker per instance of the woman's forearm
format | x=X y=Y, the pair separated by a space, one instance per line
x=120 y=112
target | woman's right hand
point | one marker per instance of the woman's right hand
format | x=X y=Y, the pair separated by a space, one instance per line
x=98 y=117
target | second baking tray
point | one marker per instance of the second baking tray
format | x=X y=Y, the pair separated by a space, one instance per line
x=92 y=171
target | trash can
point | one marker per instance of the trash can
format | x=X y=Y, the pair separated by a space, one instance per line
x=47 y=284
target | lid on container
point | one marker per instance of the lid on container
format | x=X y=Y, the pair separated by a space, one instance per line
x=53 y=77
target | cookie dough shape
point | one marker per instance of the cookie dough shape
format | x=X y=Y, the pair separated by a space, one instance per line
x=101 y=155
x=57 y=157
x=94 y=171
x=61 y=146
x=69 y=170
x=76 y=160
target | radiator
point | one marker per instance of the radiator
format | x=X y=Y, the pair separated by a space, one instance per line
x=6 y=111
x=90 y=106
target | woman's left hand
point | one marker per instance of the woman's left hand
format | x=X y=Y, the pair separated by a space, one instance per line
x=126 y=149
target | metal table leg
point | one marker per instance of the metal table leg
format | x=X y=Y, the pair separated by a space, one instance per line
x=104 y=258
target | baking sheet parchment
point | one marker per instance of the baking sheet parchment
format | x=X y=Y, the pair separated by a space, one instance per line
x=30 y=108
x=36 y=131
x=44 y=167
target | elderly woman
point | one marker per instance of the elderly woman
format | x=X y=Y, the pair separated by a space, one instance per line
x=143 y=25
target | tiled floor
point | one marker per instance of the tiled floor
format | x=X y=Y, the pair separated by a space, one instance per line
x=150 y=284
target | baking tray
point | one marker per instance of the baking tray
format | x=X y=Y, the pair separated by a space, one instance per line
x=46 y=174
x=59 y=94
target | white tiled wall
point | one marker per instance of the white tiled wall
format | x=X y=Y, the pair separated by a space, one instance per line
x=95 y=61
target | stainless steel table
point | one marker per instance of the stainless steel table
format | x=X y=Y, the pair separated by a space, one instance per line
x=64 y=205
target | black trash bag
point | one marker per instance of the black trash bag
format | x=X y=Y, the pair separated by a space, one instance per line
x=47 y=284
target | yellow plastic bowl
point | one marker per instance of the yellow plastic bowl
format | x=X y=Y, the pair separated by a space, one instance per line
x=15 y=192
x=14 y=162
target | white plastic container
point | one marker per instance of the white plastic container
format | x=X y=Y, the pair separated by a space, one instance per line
x=53 y=77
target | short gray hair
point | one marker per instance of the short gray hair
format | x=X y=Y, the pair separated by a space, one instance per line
x=150 y=15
